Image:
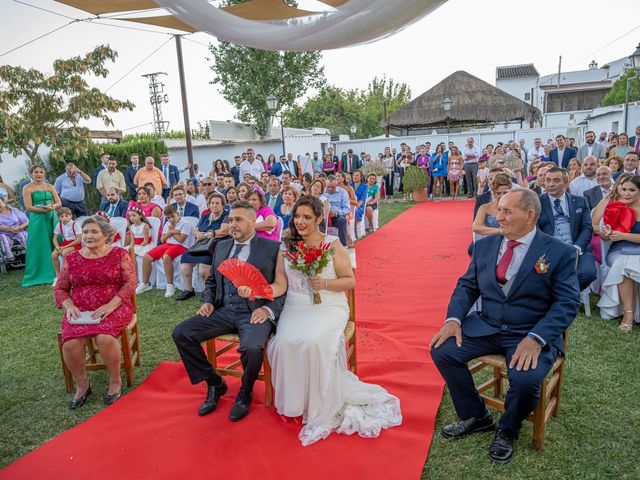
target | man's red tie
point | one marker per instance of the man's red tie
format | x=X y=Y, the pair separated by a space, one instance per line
x=505 y=261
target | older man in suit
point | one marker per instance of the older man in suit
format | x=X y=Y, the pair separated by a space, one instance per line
x=224 y=311
x=591 y=148
x=562 y=153
x=597 y=193
x=529 y=290
x=568 y=218
x=171 y=174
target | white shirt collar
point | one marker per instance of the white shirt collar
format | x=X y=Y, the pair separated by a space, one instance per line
x=248 y=242
x=561 y=197
x=528 y=238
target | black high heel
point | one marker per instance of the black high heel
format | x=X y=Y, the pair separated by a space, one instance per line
x=109 y=399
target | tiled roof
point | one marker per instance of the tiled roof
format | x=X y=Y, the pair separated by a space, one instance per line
x=516 y=71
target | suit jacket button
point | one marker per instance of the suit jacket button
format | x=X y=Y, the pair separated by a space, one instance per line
x=504 y=327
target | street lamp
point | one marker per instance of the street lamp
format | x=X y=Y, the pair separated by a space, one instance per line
x=634 y=61
x=446 y=105
x=272 y=105
x=353 y=129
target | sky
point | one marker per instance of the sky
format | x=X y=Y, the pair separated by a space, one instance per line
x=460 y=35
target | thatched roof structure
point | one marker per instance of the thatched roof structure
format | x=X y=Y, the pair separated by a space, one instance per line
x=474 y=101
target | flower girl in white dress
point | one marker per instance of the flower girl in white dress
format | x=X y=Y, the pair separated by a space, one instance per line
x=308 y=354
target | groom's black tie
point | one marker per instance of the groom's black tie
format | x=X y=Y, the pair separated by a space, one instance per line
x=236 y=252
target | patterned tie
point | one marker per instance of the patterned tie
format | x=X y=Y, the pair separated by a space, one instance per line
x=557 y=208
x=505 y=261
x=239 y=247
x=272 y=201
x=181 y=211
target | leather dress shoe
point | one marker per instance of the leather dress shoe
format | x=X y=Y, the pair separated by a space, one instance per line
x=466 y=427
x=185 y=295
x=241 y=406
x=503 y=447
x=109 y=399
x=78 y=402
x=214 y=392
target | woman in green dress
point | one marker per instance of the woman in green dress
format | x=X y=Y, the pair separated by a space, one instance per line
x=41 y=201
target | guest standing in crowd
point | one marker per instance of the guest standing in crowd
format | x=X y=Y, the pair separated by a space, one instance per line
x=562 y=153
x=104 y=159
x=271 y=161
x=110 y=177
x=171 y=175
x=622 y=148
x=621 y=283
x=70 y=187
x=150 y=174
x=41 y=201
x=591 y=148
x=470 y=156
x=454 y=171
x=130 y=174
x=439 y=165
x=13 y=228
x=218 y=169
x=101 y=279
x=266 y=219
x=250 y=166
x=214 y=225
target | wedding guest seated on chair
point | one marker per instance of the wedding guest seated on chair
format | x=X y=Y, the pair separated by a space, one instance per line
x=175 y=233
x=214 y=225
x=528 y=285
x=13 y=228
x=116 y=206
x=67 y=236
x=339 y=207
x=567 y=218
x=594 y=195
x=139 y=236
x=486 y=221
x=373 y=197
x=266 y=219
x=99 y=279
x=486 y=197
x=223 y=311
x=621 y=283
x=144 y=203
x=184 y=208
x=284 y=210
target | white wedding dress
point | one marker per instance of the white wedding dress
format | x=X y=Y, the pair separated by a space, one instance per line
x=309 y=367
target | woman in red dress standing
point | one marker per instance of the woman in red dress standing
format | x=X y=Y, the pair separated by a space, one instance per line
x=99 y=278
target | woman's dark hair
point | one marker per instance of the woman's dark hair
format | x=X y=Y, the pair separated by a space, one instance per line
x=440 y=146
x=33 y=168
x=271 y=156
x=228 y=190
x=305 y=201
x=635 y=179
x=259 y=194
x=361 y=176
x=145 y=190
x=307 y=176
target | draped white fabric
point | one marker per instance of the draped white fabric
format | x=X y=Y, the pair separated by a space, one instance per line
x=355 y=22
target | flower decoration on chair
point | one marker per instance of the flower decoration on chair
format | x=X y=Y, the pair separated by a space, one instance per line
x=310 y=261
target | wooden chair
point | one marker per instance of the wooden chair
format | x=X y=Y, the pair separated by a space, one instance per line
x=549 y=403
x=234 y=369
x=130 y=346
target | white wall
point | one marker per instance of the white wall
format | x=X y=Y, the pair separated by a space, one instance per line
x=518 y=87
x=562 y=119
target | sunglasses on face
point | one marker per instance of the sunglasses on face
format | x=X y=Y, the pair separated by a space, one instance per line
x=208 y=184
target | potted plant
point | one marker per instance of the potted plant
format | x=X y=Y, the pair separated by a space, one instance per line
x=414 y=181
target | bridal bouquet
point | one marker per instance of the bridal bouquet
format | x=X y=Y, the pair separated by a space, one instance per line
x=310 y=261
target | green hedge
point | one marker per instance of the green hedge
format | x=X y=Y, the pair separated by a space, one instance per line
x=88 y=161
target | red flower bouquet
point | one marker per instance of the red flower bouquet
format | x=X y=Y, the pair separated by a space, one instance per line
x=310 y=261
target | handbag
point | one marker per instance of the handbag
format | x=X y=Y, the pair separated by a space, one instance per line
x=203 y=247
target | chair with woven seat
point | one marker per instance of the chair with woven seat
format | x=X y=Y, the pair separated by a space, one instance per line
x=130 y=347
x=234 y=369
x=549 y=403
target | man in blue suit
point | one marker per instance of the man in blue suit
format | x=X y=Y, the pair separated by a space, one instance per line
x=116 y=206
x=351 y=162
x=130 y=174
x=273 y=197
x=185 y=209
x=529 y=290
x=171 y=173
x=562 y=153
x=568 y=218
x=284 y=165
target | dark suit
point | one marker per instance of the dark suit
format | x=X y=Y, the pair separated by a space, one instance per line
x=279 y=167
x=541 y=304
x=632 y=141
x=129 y=175
x=593 y=196
x=356 y=164
x=120 y=211
x=190 y=210
x=581 y=232
x=563 y=162
x=279 y=200
x=172 y=177
x=620 y=172
x=235 y=171
x=229 y=318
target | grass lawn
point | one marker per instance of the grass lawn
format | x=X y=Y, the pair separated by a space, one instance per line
x=596 y=435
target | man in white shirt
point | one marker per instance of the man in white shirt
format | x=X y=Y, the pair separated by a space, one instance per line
x=600 y=191
x=536 y=151
x=588 y=178
x=470 y=155
x=251 y=166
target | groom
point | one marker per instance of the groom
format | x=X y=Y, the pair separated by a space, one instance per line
x=223 y=311
x=529 y=289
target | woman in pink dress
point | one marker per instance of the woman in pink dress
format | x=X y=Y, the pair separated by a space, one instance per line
x=455 y=171
x=99 y=278
x=266 y=218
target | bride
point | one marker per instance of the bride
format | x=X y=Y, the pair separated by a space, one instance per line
x=308 y=354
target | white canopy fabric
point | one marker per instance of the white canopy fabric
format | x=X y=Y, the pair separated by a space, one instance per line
x=351 y=23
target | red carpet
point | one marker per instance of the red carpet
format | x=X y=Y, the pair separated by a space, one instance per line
x=406 y=272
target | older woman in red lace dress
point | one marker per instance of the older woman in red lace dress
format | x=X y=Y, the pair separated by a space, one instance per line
x=99 y=279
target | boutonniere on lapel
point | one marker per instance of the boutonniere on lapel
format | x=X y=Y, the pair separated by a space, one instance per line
x=542 y=265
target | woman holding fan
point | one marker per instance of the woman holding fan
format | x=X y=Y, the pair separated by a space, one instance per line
x=308 y=357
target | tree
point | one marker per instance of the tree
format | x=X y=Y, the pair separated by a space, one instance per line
x=338 y=109
x=45 y=109
x=247 y=76
x=616 y=95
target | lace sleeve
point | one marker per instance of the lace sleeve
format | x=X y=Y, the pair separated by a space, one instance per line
x=62 y=290
x=129 y=278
